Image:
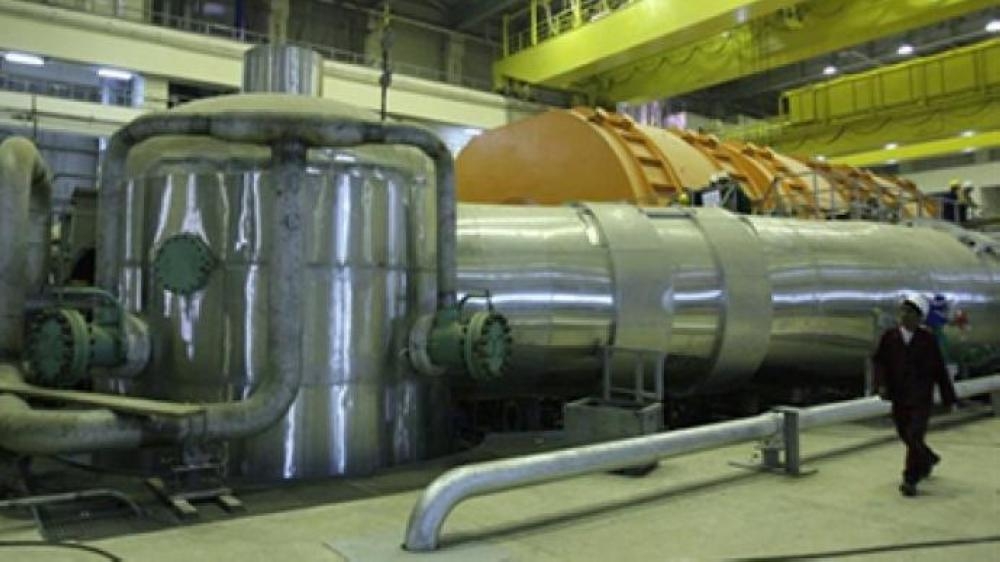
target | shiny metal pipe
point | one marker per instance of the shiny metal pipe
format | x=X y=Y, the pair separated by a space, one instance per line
x=457 y=485
x=25 y=225
x=460 y=484
x=728 y=298
x=863 y=408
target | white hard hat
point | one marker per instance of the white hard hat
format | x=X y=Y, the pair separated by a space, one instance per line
x=918 y=301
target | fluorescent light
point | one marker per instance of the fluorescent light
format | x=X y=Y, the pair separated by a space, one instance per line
x=114 y=74
x=993 y=26
x=820 y=158
x=24 y=58
x=830 y=70
x=969 y=150
x=905 y=50
x=344 y=158
x=968 y=134
x=892 y=161
x=892 y=146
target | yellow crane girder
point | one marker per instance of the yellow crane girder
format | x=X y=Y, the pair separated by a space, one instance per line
x=813 y=28
x=639 y=30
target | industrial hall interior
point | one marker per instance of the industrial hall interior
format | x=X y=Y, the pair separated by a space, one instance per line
x=499 y=280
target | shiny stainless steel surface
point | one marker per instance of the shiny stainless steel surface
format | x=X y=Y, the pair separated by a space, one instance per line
x=369 y=273
x=285 y=69
x=829 y=278
x=788 y=298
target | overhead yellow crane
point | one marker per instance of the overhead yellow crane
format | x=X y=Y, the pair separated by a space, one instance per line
x=651 y=49
x=930 y=106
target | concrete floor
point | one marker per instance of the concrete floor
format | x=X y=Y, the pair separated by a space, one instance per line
x=695 y=507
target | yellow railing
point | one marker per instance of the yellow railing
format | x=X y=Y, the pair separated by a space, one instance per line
x=545 y=19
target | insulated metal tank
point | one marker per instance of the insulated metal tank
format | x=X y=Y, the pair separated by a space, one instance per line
x=195 y=255
x=727 y=297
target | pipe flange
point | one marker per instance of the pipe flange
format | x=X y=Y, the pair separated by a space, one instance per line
x=183 y=264
x=487 y=345
x=58 y=349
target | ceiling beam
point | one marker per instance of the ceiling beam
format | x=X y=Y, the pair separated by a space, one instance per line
x=476 y=12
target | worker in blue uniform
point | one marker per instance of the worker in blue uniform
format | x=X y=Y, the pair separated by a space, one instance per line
x=908 y=363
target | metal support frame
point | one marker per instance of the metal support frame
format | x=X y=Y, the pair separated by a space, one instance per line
x=638 y=392
x=460 y=484
x=781 y=453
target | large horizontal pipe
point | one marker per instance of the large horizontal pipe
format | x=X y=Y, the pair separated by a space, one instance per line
x=460 y=484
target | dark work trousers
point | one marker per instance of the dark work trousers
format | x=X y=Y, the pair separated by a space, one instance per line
x=911 y=425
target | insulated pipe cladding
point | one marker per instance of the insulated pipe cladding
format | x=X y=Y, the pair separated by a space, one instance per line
x=726 y=297
x=25 y=223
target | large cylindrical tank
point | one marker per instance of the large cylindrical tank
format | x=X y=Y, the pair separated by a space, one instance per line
x=727 y=297
x=196 y=252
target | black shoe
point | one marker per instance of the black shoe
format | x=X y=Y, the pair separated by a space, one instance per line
x=930 y=467
x=907 y=489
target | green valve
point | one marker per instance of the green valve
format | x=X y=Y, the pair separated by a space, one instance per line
x=183 y=264
x=86 y=328
x=479 y=345
x=59 y=348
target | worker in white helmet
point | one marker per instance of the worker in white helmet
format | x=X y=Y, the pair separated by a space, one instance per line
x=908 y=363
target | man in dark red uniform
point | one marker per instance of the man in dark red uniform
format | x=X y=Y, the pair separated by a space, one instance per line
x=908 y=363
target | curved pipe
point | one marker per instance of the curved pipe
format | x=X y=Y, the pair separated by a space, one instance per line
x=289 y=136
x=25 y=224
x=460 y=484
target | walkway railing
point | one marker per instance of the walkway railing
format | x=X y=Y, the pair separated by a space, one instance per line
x=243 y=35
x=460 y=484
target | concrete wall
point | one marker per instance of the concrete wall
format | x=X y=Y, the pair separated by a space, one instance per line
x=980 y=174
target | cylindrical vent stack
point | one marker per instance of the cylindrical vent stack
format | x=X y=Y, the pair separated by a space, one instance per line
x=285 y=69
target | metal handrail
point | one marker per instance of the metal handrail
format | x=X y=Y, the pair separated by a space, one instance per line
x=223 y=31
x=543 y=26
x=460 y=484
x=65 y=90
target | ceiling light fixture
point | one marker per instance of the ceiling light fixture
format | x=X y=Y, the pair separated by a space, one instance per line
x=892 y=146
x=968 y=134
x=892 y=162
x=905 y=50
x=114 y=74
x=830 y=70
x=24 y=58
x=993 y=26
